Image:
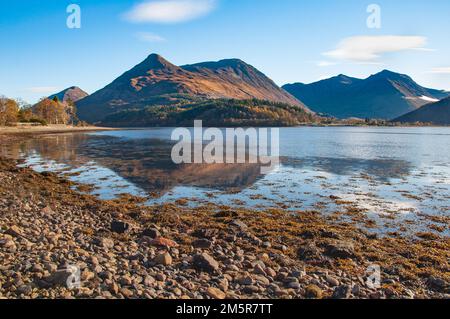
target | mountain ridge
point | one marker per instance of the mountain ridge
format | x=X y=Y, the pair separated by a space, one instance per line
x=73 y=94
x=435 y=113
x=156 y=81
x=384 y=95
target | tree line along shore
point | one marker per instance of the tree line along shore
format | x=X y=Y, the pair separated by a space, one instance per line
x=52 y=111
x=46 y=112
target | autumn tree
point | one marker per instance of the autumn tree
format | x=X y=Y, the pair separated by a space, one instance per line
x=26 y=114
x=8 y=111
x=51 y=111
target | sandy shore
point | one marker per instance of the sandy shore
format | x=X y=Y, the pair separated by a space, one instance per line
x=124 y=249
x=48 y=129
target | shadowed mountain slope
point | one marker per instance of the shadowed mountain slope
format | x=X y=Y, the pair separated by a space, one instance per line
x=385 y=95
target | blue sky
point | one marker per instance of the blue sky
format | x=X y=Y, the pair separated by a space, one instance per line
x=288 y=40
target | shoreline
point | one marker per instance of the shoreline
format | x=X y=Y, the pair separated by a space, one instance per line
x=126 y=250
x=50 y=129
x=62 y=129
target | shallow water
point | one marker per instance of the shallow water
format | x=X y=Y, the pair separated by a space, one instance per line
x=385 y=172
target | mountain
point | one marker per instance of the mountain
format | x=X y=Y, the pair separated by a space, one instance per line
x=73 y=94
x=156 y=81
x=239 y=80
x=64 y=111
x=385 y=95
x=436 y=113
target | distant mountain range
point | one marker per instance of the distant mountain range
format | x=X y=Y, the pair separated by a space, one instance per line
x=157 y=82
x=73 y=94
x=232 y=92
x=385 y=95
x=436 y=113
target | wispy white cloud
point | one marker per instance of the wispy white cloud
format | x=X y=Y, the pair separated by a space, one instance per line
x=369 y=63
x=443 y=70
x=425 y=49
x=42 y=89
x=324 y=64
x=363 y=49
x=169 y=11
x=149 y=37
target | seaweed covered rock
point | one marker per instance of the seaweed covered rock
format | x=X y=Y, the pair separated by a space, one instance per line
x=341 y=249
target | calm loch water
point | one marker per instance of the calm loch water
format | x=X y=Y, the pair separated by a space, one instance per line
x=383 y=172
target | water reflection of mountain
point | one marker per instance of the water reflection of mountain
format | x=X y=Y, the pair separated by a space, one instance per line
x=147 y=162
x=381 y=169
x=144 y=162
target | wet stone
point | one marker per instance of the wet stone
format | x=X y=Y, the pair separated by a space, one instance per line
x=151 y=233
x=313 y=292
x=202 y=243
x=205 y=262
x=342 y=292
x=120 y=227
